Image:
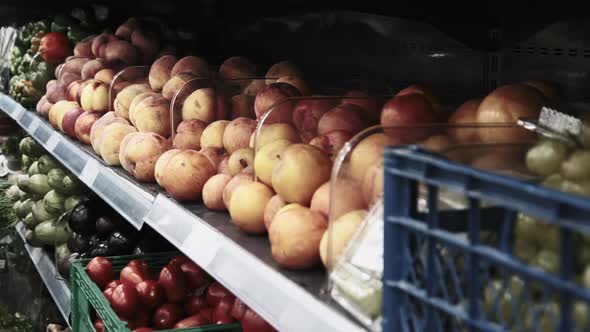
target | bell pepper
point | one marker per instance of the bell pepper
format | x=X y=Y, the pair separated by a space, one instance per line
x=55 y=47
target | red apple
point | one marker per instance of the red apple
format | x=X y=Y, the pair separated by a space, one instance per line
x=419 y=89
x=194 y=304
x=270 y=97
x=216 y=292
x=222 y=311
x=331 y=142
x=125 y=301
x=401 y=112
x=307 y=113
x=150 y=293
x=195 y=275
x=167 y=315
x=371 y=105
x=466 y=114
x=345 y=117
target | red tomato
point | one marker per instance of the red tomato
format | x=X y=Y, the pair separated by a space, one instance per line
x=55 y=47
x=99 y=325
x=135 y=272
x=141 y=319
x=174 y=283
x=142 y=266
x=108 y=294
x=238 y=309
x=207 y=313
x=144 y=329
x=195 y=275
x=192 y=321
x=216 y=292
x=221 y=312
x=113 y=284
x=125 y=301
x=194 y=304
x=167 y=315
x=251 y=322
x=179 y=260
x=150 y=293
x=100 y=270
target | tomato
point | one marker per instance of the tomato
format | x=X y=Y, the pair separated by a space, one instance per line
x=108 y=294
x=54 y=48
x=100 y=270
x=99 y=325
x=251 y=322
x=222 y=311
x=144 y=329
x=150 y=293
x=178 y=260
x=195 y=275
x=216 y=292
x=167 y=315
x=173 y=282
x=113 y=284
x=125 y=300
x=142 y=318
x=207 y=313
x=238 y=309
x=192 y=321
x=135 y=272
x=194 y=304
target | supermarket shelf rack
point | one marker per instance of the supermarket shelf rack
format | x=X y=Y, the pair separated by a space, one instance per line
x=58 y=288
x=289 y=300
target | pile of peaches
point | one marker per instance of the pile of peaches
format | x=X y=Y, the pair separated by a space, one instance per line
x=262 y=149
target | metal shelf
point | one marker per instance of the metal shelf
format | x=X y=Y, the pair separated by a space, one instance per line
x=58 y=288
x=289 y=300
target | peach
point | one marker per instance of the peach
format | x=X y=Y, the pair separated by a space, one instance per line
x=152 y=114
x=301 y=170
x=240 y=159
x=307 y=113
x=233 y=184
x=345 y=197
x=188 y=135
x=95 y=97
x=122 y=102
x=212 y=136
x=372 y=184
x=84 y=47
x=223 y=167
x=254 y=87
x=139 y=152
x=464 y=116
x=99 y=125
x=174 y=84
x=213 y=192
x=214 y=155
x=110 y=141
x=99 y=44
x=272 y=207
x=105 y=75
x=275 y=96
x=267 y=158
x=247 y=205
x=137 y=99
x=58 y=110
x=192 y=65
x=331 y=142
x=338 y=236
x=68 y=122
x=295 y=234
x=125 y=30
x=84 y=124
x=346 y=117
x=237 y=67
x=281 y=69
x=146 y=42
x=43 y=106
x=160 y=71
x=72 y=90
x=368 y=152
x=242 y=106
x=200 y=105
x=121 y=51
x=297 y=82
x=161 y=163
x=185 y=175
x=437 y=143
x=92 y=67
x=274 y=132
x=237 y=134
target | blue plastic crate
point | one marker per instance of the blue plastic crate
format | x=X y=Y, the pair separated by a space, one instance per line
x=441 y=275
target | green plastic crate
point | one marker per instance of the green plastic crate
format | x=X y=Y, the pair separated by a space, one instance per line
x=86 y=294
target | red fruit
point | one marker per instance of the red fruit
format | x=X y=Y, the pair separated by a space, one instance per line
x=194 y=304
x=142 y=318
x=238 y=309
x=113 y=284
x=125 y=301
x=207 y=313
x=179 y=260
x=144 y=329
x=99 y=325
x=167 y=315
x=195 y=275
x=216 y=292
x=135 y=272
x=54 y=47
x=192 y=321
x=150 y=293
x=108 y=294
x=173 y=282
x=251 y=322
x=221 y=312
x=100 y=270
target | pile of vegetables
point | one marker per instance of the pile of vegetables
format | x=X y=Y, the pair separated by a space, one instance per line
x=40 y=46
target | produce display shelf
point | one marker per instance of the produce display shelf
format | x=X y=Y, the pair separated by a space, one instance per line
x=57 y=287
x=289 y=300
